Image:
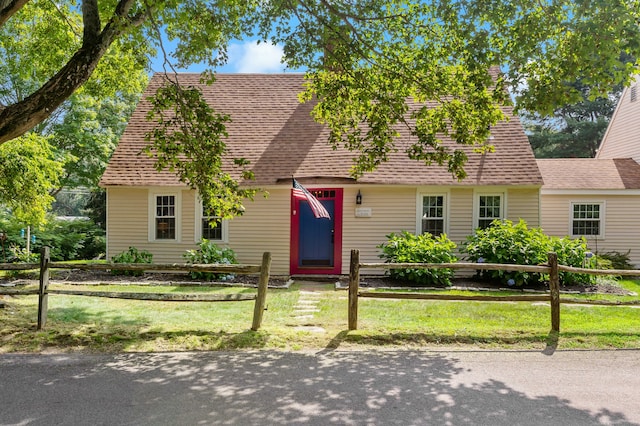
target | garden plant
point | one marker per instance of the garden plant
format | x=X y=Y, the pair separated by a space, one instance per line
x=209 y=252
x=425 y=248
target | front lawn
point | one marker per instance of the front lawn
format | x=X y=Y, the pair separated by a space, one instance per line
x=77 y=323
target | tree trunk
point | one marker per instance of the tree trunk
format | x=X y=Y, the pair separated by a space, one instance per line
x=8 y=8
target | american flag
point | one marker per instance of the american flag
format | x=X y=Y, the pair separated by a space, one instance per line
x=301 y=193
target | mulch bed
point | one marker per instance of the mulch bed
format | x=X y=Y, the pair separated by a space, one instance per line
x=81 y=277
x=485 y=285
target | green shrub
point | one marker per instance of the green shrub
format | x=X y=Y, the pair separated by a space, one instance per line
x=78 y=239
x=573 y=252
x=208 y=253
x=506 y=243
x=133 y=255
x=409 y=248
x=616 y=259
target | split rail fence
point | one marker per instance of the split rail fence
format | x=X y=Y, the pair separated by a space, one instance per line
x=46 y=265
x=552 y=268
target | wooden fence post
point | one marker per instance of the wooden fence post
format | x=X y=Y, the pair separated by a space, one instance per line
x=554 y=289
x=354 y=281
x=43 y=292
x=259 y=308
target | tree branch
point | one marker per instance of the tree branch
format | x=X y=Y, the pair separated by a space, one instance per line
x=91 y=21
x=20 y=117
x=8 y=8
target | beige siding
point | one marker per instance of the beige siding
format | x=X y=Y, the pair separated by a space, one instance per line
x=393 y=210
x=126 y=219
x=621 y=217
x=524 y=204
x=622 y=139
x=460 y=214
x=265 y=226
x=128 y=224
x=520 y=204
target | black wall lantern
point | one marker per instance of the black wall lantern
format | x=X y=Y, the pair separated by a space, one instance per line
x=359 y=198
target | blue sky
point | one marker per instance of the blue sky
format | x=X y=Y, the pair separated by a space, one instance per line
x=244 y=57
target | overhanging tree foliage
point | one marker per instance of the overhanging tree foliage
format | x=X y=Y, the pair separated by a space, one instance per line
x=83 y=131
x=365 y=59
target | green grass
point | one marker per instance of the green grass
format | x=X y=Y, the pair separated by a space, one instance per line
x=77 y=323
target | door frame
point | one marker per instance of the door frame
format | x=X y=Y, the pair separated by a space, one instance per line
x=294 y=246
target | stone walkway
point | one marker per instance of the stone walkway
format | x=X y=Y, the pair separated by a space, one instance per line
x=304 y=311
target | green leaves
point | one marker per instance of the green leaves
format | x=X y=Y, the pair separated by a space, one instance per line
x=409 y=248
x=383 y=58
x=208 y=252
x=377 y=68
x=132 y=255
x=576 y=129
x=84 y=131
x=28 y=171
x=188 y=139
x=509 y=243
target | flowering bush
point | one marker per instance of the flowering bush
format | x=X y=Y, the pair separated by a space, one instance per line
x=409 y=248
x=506 y=243
x=209 y=252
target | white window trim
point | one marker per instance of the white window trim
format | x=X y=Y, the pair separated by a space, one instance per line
x=197 y=237
x=603 y=207
x=476 y=205
x=445 y=206
x=152 y=215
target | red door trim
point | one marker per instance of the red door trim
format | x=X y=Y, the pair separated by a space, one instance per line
x=336 y=269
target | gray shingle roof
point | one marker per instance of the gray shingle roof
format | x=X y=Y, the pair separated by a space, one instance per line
x=276 y=134
x=590 y=173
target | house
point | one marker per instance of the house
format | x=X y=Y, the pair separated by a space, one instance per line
x=599 y=198
x=275 y=132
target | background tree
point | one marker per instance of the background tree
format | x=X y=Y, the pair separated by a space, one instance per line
x=573 y=130
x=28 y=171
x=86 y=135
x=365 y=59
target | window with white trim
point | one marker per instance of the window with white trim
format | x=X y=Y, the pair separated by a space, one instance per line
x=164 y=209
x=586 y=219
x=165 y=217
x=490 y=208
x=433 y=214
x=211 y=227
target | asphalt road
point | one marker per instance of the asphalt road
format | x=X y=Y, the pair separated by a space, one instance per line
x=330 y=387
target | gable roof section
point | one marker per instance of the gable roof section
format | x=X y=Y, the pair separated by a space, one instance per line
x=589 y=173
x=621 y=138
x=276 y=133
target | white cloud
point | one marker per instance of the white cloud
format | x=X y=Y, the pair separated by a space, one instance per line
x=250 y=57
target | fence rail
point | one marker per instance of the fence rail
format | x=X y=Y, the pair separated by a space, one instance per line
x=18 y=266
x=46 y=265
x=552 y=268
